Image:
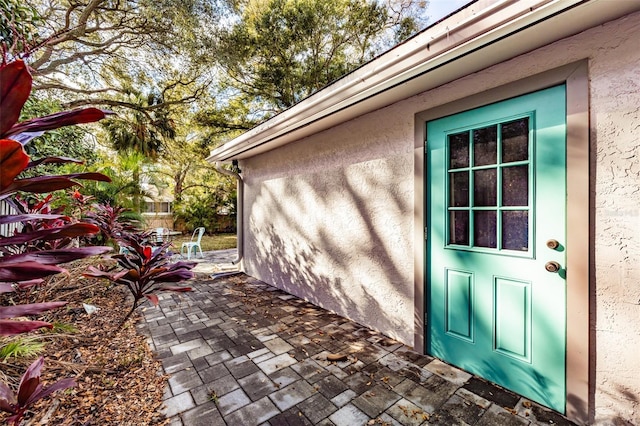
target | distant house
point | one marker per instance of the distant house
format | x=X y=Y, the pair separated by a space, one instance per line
x=473 y=192
x=157 y=208
x=157 y=213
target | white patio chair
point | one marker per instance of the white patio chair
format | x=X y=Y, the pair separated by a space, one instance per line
x=161 y=235
x=194 y=244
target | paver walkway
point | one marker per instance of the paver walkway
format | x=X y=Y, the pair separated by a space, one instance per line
x=242 y=353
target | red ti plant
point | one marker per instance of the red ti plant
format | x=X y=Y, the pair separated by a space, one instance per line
x=21 y=270
x=113 y=225
x=145 y=269
x=44 y=218
x=29 y=392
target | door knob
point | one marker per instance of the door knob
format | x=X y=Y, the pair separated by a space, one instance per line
x=552 y=266
x=553 y=244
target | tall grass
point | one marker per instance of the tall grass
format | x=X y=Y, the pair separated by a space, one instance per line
x=20 y=347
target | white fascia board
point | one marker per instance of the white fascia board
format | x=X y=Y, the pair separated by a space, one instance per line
x=483 y=34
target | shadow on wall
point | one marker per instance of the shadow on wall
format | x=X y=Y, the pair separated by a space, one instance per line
x=342 y=240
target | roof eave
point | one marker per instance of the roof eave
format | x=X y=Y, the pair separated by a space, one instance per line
x=484 y=34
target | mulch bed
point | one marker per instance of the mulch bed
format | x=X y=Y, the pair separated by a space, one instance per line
x=118 y=380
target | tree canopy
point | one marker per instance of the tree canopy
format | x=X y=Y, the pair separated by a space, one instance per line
x=97 y=52
x=277 y=52
x=185 y=75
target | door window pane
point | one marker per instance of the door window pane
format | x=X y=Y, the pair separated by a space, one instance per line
x=459 y=189
x=485 y=188
x=459 y=228
x=485 y=145
x=515 y=230
x=490 y=164
x=459 y=150
x=515 y=186
x=515 y=140
x=484 y=229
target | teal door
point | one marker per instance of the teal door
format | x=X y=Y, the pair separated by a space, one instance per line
x=496 y=203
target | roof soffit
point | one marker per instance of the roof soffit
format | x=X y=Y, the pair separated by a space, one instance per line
x=479 y=36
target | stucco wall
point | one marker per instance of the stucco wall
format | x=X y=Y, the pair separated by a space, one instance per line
x=615 y=134
x=331 y=218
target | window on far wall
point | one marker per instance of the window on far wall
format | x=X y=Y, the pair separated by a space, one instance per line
x=157 y=207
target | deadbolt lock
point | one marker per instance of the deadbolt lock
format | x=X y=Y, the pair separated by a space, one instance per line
x=552 y=266
x=553 y=244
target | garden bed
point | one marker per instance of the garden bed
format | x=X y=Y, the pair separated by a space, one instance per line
x=118 y=380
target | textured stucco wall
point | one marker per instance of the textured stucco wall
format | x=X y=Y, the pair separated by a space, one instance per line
x=330 y=218
x=615 y=135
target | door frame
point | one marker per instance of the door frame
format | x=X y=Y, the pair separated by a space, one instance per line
x=579 y=235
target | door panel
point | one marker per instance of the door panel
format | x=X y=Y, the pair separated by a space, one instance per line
x=459 y=312
x=496 y=194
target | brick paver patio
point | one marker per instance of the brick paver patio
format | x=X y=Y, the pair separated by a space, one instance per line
x=240 y=353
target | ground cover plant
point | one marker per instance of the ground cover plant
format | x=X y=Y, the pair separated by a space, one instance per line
x=116 y=375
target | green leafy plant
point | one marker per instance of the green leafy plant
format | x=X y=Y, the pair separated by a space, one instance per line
x=29 y=392
x=145 y=270
x=63 y=328
x=20 y=347
x=213 y=396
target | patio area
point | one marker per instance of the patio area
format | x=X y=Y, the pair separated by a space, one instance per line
x=240 y=352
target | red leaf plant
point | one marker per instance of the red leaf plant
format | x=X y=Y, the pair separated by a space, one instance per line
x=112 y=222
x=30 y=391
x=43 y=229
x=15 y=87
x=145 y=269
x=15 y=327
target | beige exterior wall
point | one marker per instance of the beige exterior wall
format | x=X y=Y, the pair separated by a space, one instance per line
x=330 y=221
x=331 y=218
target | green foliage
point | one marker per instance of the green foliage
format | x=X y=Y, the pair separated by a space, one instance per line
x=283 y=50
x=214 y=208
x=62 y=328
x=71 y=141
x=141 y=131
x=18 y=27
x=199 y=214
x=278 y=52
x=124 y=171
x=20 y=347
